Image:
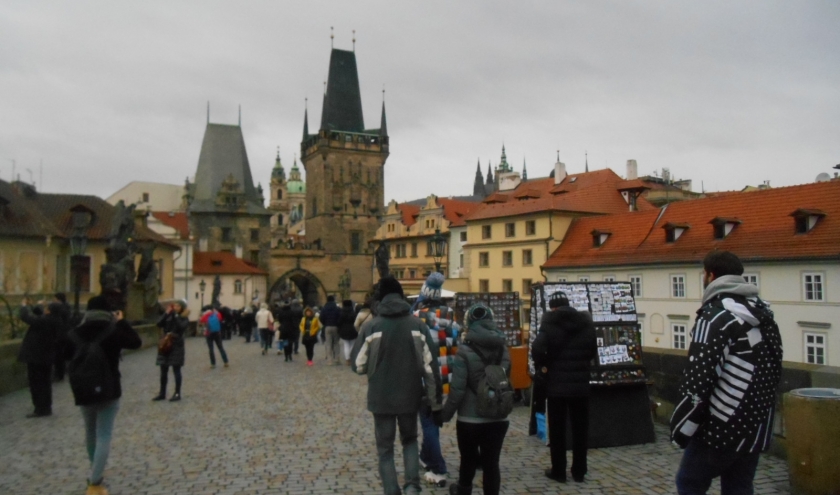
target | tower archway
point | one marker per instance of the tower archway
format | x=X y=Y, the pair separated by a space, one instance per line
x=301 y=284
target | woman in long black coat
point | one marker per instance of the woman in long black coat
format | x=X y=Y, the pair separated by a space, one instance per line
x=289 y=331
x=38 y=351
x=175 y=322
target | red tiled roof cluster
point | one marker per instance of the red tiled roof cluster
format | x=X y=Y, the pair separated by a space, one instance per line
x=175 y=220
x=222 y=263
x=766 y=231
x=454 y=210
x=590 y=192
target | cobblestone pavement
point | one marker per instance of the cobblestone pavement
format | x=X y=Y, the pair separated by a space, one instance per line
x=264 y=426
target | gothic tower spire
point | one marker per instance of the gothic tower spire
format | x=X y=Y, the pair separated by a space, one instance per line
x=478 y=185
x=306 y=119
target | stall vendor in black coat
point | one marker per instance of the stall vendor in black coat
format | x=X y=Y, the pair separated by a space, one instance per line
x=38 y=351
x=564 y=348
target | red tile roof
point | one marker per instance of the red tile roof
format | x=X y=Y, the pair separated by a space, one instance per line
x=175 y=220
x=455 y=210
x=766 y=231
x=409 y=213
x=591 y=192
x=222 y=263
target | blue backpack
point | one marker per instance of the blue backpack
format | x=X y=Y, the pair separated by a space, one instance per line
x=213 y=323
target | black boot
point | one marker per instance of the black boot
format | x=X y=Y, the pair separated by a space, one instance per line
x=457 y=489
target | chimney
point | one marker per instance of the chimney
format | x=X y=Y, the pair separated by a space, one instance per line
x=632 y=170
x=666 y=175
x=559 y=172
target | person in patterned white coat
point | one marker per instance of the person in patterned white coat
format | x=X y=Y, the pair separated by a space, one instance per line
x=724 y=417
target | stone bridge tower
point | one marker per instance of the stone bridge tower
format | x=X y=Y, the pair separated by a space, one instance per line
x=344 y=162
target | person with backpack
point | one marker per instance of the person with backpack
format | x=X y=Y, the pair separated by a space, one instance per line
x=173 y=324
x=347 y=329
x=93 y=349
x=288 y=330
x=38 y=351
x=727 y=394
x=481 y=394
x=310 y=325
x=212 y=320
x=564 y=348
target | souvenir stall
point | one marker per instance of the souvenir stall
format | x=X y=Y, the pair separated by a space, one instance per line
x=506 y=313
x=619 y=407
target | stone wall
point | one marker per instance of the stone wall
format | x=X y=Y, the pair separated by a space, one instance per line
x=13 y=373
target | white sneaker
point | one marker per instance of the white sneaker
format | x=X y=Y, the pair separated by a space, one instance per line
x=438 y=480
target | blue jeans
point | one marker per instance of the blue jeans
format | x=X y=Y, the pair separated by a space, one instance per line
x=217 y=338
x=99 y=423
x=430 y=449
x=385 y=430
x=701 y=463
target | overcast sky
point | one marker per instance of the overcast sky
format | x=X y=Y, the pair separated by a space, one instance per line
x=724 y=93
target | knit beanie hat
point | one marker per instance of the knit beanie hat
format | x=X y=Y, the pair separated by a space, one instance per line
x=477 y=312
x=558 y=300
x=98 y=303
x=432 y=287
x=390 y=285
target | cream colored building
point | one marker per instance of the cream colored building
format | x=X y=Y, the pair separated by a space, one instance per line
x=35 y=251
x=409 y=230
x=788 y=239
x=150 y=196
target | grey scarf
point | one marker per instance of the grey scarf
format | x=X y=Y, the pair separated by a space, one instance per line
x=729 y=284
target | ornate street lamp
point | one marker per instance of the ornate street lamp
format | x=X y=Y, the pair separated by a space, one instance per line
x=438 y=248
x=201 y=287
x=81 y=219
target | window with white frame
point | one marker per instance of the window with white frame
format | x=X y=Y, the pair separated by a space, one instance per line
x=584 y=278
x=237 y=286
x=751 y=278
x=678 y=286
x=812 y=286
x=636 y=284
x=609 y=278
x=815 y=348
x=678 y=336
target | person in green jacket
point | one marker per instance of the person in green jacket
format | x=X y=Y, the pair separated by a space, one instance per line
x=394 y=350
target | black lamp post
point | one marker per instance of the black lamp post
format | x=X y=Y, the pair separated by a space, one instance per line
x=201 y=286
x=438 y=248
x=81 y=219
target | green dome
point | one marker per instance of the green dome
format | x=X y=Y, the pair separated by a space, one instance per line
x=296 y=186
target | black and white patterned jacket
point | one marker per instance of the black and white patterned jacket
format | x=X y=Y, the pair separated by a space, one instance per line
x=728 y=391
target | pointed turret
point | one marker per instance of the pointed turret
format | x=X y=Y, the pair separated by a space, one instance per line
x=489 y=173
x=305 y=124
x=478 y=185
x=383 y=126
x=504 y=166
x=524 y=169
x=342 y=100
x=586 y=154
x=278 y=172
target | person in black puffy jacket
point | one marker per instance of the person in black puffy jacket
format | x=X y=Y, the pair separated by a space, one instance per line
x=99 y=415
x=565 y=347
x=38 y=351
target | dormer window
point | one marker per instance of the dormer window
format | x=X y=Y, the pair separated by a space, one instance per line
x=673 y=231
x=806 y=220
x=723 y=226
x=599 y=237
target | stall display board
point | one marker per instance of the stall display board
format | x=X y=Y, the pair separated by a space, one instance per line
x=505 y=307
x=617 y=332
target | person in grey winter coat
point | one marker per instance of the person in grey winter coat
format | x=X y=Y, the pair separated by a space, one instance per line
x=564 y=347
x=176 y=322
x=394 y=351
x=479 y=439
